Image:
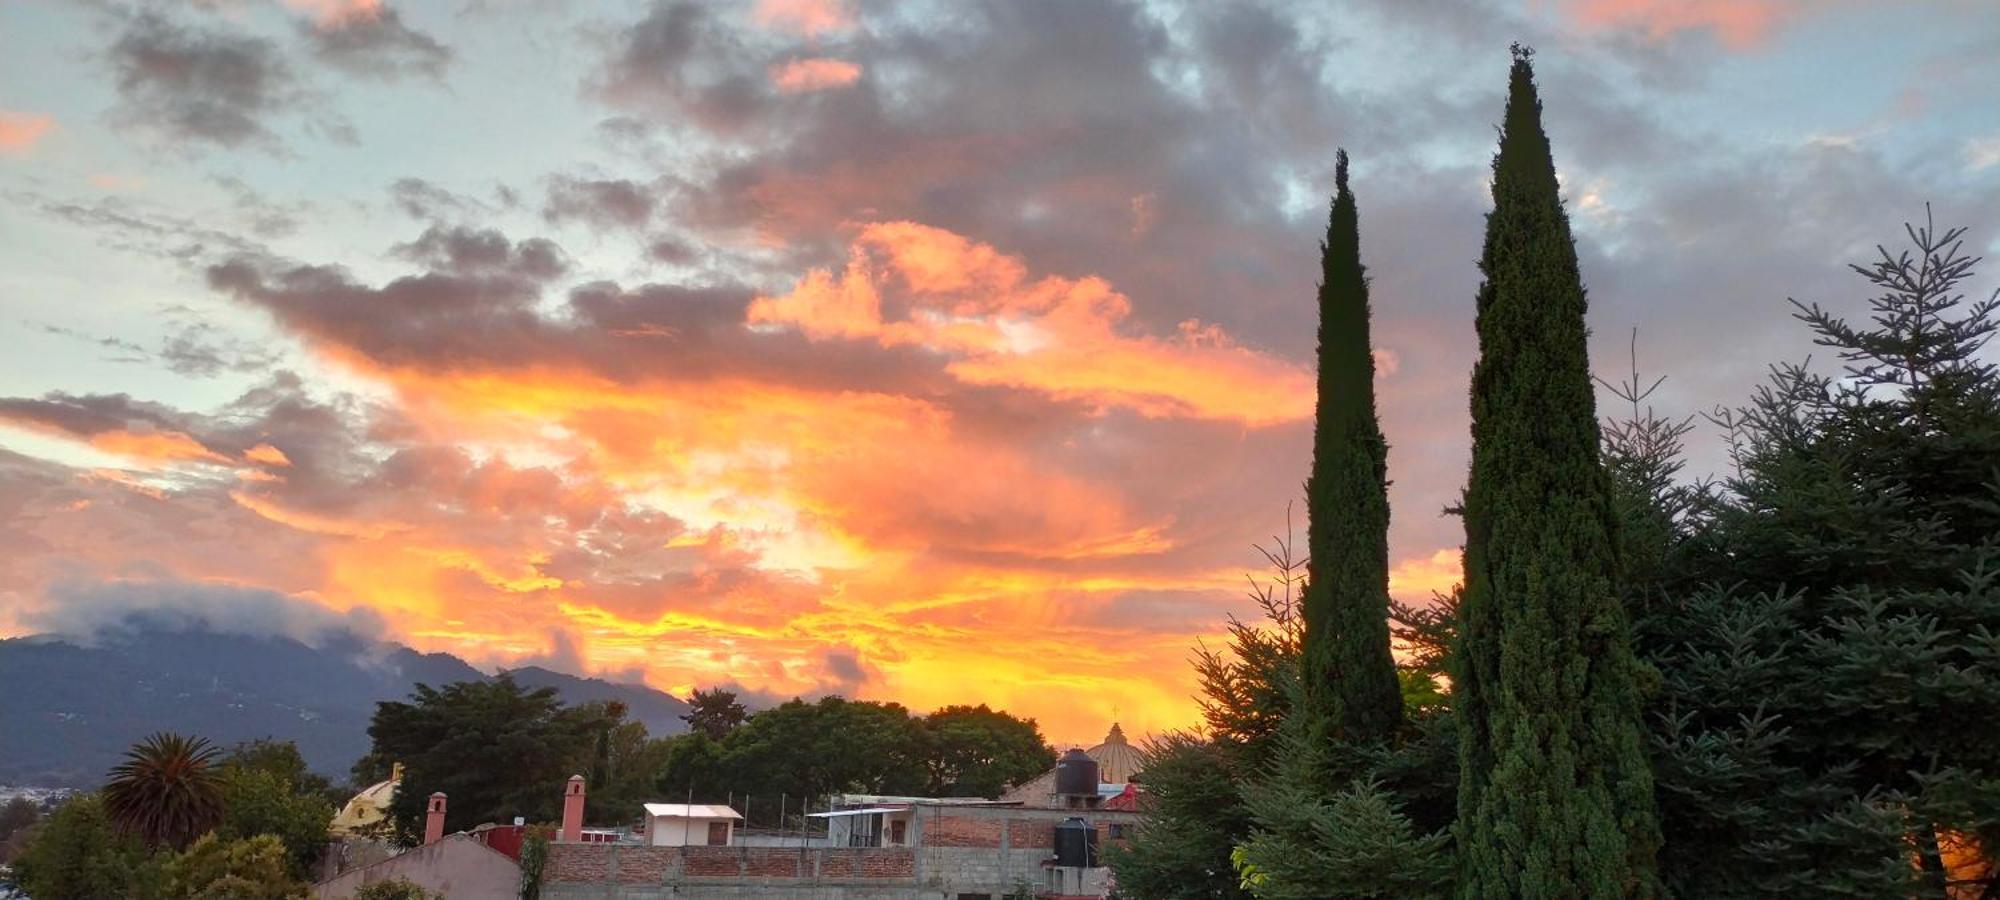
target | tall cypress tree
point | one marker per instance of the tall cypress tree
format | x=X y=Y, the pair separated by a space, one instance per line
x=1555 y=794
x=1350 y=676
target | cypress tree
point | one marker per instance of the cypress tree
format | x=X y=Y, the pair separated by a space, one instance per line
x=1350 y=676
x=1555 y=794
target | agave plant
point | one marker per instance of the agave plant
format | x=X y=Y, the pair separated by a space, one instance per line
x=166 y=792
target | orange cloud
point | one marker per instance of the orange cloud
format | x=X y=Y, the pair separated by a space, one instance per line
x=908 y=284
x=335 y=12
x=806 y=17
x=1415 y=580
x=1741 y=24
x=19 y=130
x=801 y=76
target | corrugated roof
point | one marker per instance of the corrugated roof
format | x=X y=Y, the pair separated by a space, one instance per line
x=859 y=812
x=691 y=811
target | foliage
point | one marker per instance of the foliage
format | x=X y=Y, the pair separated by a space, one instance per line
x=213 y=868
x=1194 y=817
x=261 y=801
x=804 y=750
x=281 y=758
x=495 y=749
x=624 y=777
x=714 y=712
x=75 y=852
x=395 y=889
x=1555 y=792
x=1350 y=678
x=1243 y=702
x=1353 y=843
x=976 y=751
x=1828 y=717
x=166 y=791
x=534 y=859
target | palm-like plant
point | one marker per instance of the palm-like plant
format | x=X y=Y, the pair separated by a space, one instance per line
x=166 y=791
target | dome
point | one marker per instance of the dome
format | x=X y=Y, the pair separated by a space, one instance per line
x=1117 y=759
x=367 y=810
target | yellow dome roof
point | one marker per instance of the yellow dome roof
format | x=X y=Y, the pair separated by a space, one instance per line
x=369 y=808
x=1117 y=759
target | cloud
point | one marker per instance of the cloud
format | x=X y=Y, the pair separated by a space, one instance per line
x=369 y=39
x=209 y=86
x=803 y=76
x=1982 y=153
x=810 y=18
x=87 y=609
x=19 y=131
x=601 y=203
x=1740 y=24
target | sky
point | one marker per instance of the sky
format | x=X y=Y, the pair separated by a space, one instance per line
x=935 y=352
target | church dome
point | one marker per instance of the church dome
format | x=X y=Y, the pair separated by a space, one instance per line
x=366 y=811
x=1117 y=759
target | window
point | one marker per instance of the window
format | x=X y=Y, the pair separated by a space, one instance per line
x=897 y=830
x=718 y=834
x=1119 y=831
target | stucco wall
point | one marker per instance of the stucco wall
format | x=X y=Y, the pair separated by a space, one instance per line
x=457 y=866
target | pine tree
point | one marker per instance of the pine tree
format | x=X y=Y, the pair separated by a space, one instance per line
x=1350 y=676
x=1555 y=796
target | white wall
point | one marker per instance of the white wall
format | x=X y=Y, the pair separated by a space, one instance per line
x=681 y=831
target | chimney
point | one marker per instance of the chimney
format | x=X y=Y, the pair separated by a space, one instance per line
x=434 y=820
x=572 y=823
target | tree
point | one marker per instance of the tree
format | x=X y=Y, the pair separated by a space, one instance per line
x=497 y=750
x=166 y=791
x=1555 y=795
x=283 y=759
x=979 y=752
x=1828 y=717
x=714 y=712
x=17 y=817
x=832 y=745
x=1194 y=817
x=77 y=854
x=213 y=868
x=1350 y=676
x=259 y=801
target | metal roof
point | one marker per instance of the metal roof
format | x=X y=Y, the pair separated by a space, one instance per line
x=860 y=812
x=691 y=811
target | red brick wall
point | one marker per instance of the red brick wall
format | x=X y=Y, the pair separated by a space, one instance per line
x=868 y=863
x=712 y=861
x=772 y=862
x=646 y=865
x=1031 y=834
x=961 y=831
x=577 y=862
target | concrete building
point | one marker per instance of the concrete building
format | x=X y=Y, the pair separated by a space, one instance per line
x=690 y=825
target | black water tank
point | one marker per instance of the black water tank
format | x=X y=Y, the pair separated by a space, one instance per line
x=1076 y=774
x=1076 y=844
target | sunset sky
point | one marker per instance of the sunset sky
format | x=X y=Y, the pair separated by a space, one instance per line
x=945 y=352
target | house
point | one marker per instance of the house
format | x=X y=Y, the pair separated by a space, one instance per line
x=454 y=866
x=690 y=825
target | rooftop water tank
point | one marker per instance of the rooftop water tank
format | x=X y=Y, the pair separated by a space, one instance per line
x=1076 y=775
x=1076 y=844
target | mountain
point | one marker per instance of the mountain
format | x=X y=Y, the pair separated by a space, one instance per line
x=69 y=709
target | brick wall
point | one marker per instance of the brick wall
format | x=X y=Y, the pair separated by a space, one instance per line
x=961 y=831
x=1037 y=834
x=646 y=865
x=577 y=862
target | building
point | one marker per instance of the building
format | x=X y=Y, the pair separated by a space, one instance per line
x=690 y=825
x=1118 y=763
x=366 y=813
x=455 y=866
x=874 y=848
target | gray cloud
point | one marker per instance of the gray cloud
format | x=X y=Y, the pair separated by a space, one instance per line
x=87 y=609
x=202 y=85
x=377 y=45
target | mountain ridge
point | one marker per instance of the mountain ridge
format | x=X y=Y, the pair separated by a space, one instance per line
x=73 y=705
